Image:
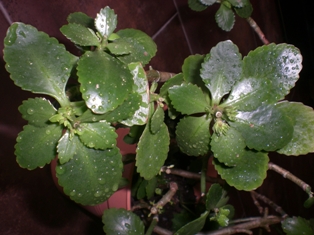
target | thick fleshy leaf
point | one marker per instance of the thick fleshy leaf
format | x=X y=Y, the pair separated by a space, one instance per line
x=152 y=151
x=302 y=117
x=296 y=226
x=266 y=128
x=98 y=135
x=37 y=111
x=144 y=48
x=150 y=187
x=249 y=173
x=66 y=148
x=105 y=81
x=36 y=62
x=80 y=35
x=191 y=69
x=193 y=136
x=238 y=3
x=82 y=19
x=207 y=2
x=37 y=146
x=91 y=176
x=228 y=148
x=188 y=99
x=221 y=68
x=196 y=5
x=245 y=11
x=141 y=88
x=225 y=17
x=157 y=120
x=216 y=197
x=120 y=46
x=122 y=222
x=178 y=79
x=269 y=72
x=106 y=21
x=194 y=226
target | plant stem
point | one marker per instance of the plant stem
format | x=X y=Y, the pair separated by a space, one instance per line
x=162 y=231
x=203 y=174
x=290 y=176
x=189 y=175
x=165 y=199
x=257 y=29
x=152 y=225
x=155 y=75
x=258 y=222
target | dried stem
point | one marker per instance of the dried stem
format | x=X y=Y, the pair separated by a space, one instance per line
x=155 y=75
x=165 y=199
x=257 y=30
x=189 y=175
x=277 y=208
x=162 y=231
x=259 y=222
x=290 y=176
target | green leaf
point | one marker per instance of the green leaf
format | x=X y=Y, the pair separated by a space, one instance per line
x=221 y=68
x=216 y=197
x=196 y=5
x=120 y=46
x=106 y=21
x=152 y=151
x=309 y=202
x=266 y=128
x=37 y=111
x=225 y=18
x=296 y=226
x=194 y=226
x=302 y=117
x=248 y=174
x=143 y=47
x=188 y=99
x=105 y=81
x=98 y=135
x=66 y=148
x=178 y=79
x=246 y=11
x=141 y=88
x=36 y=62
x=193 y=135
x=157 y=120
x=207 y=2
x=36 y=146
x=82 y=19
x=150 y=187
x=91 y=176
x=80 y=35
x=141 y=191
x=122 y=222
x=228 y=148
x=269 y=72
x=181 y=219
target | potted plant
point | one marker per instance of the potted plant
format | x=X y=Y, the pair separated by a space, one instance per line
x=222 y=109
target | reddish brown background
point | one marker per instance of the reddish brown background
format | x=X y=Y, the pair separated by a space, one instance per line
x=30 y=203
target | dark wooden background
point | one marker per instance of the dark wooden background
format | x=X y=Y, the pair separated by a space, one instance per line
x=29 y=201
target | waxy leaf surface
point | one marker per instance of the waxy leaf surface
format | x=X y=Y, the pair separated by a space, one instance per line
x=248 y=174
x=225 y=17
x=36 y=62
x=194 y=226
x=91 y=176
x=122 y=222
x=105 y=81
x=37 y=111
x=106 y=21
x=196 y=5
x=66 y=148
x=157 y=120
x=297 y=225
x=221 y=68
x=37 y=146
x=82 y=19
x=216 y=197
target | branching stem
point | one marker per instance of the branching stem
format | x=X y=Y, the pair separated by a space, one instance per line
x=155 y=75
x=257 y=29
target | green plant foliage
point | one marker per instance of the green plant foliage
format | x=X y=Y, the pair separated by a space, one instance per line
x=194 y=226
x=157 y=120
x=102 y=79
x=91 y=176
x=82 y=19
x=123 y=222
x=106 y=21
x=150 y=187
x=66 y=148
x=221 y=68
x=216 y=197
x=37 y=111
x=193 y=135
x=33 y=59
x=36 y=146
x=248 y=174
x=207 y=2
x=303 y=121
x=298 y=225
x=245 y=11
x=196 y=5
x=225 y=17
x=80 y=35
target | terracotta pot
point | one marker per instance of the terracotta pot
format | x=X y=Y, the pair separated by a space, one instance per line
x=122 y=197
